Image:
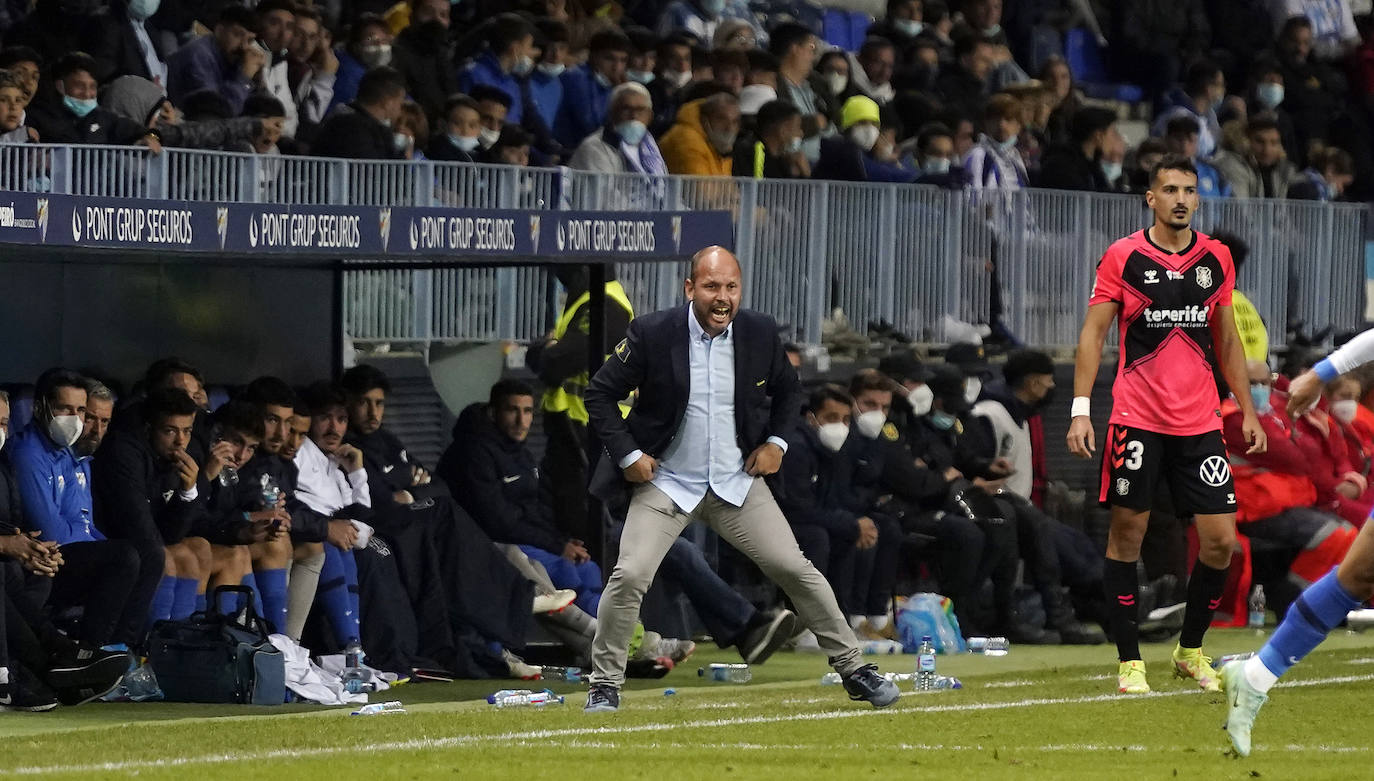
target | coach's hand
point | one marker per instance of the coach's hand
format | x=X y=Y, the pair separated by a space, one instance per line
x=764 y=461
x=1303 y=393
x=1081 y=437
x=1254 y=435
x=641 y=471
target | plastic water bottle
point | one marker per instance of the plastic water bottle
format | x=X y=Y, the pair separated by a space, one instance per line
x=900 y=677
x=726 y=673
x=228 y=476
x=140 y=684
x=569 y=674
x=271 y=492
x=943 y=682
x=1256 y=607
x=512 y=698
x=881 y=647
x=356 y=678
x=379 y=709
x=925 y=665
x=831 y=679
x=996 y=646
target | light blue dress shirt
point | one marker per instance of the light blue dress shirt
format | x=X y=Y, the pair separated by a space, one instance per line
x=704 y=455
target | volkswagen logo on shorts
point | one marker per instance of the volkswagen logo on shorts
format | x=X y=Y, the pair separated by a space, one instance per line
x=1215 y=471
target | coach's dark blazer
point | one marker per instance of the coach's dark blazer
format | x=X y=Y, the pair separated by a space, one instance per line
x=653 y=357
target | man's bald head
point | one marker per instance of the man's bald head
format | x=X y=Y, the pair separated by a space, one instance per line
x=715 y=289
x=711 y=255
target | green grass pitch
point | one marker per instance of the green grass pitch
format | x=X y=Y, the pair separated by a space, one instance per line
x=1038 y=713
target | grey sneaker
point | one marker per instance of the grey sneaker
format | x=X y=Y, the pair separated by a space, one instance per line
x=1243 y=705
x=602 y=699
x=760 y=643
x=866 y=684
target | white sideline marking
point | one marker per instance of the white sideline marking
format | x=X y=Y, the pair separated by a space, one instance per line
x=421 y=744
x=1362 y=660
x=1007 y=684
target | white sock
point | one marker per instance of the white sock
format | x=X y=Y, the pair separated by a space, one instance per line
x=878 y=623
x=855 y=621
x=1258 y=675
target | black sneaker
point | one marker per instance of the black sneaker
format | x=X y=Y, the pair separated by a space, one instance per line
x=602 y=699
x=77 y=669
x=26 y=693
x=760 y=642
x=866 y=684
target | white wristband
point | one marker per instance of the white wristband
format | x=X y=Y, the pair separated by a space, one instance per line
x=1080 y=406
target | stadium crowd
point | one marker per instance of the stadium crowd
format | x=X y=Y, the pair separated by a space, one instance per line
x=1270 y=97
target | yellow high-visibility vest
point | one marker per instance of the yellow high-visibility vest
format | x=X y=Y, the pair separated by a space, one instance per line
x=567 y=398
x=1254 y=337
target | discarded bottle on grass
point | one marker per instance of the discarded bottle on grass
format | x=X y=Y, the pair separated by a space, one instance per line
x=379 y=708
x=943 y=682
x=1256 y=607
x=996 y=646
x=556 y=673
x=140 y=685
x=831 y=679
x=925 y=665
x=881 y=647
x=726 y=673
x=510 y=698
x=356 y=678
x=834 y=679
x=1358 y=620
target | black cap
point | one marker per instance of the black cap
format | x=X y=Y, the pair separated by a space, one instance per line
x=969 y=357
x=947 y=383
x=904 y=367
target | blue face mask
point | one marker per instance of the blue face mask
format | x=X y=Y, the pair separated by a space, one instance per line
x=1269 y=94
x=143 y=9
x=1111 y=170
x=713 y=7
x=935 y=166
x=1008 y=145
x=942 y=420
x=78 y=107
x=631 y=132
x=1259 y=394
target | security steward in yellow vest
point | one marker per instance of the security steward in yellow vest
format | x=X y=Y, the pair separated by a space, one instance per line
x=561 y=364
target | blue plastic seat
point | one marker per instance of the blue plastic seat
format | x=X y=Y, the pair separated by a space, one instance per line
x=1090 y=73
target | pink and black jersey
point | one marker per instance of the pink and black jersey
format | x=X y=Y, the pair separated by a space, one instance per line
x=1164 y=382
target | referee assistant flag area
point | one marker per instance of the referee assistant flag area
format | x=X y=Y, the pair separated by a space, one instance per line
x=1037 y=713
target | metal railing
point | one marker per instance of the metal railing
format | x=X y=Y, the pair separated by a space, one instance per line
x=917 y=257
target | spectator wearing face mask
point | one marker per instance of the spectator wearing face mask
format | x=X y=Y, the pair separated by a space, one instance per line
x=902 y=24
x=587 y=88
x=368 y=47
x=228 y=61
x=123 y=46
x=703 y=139
x=508 y=60
x=545 y=85
x=78 y=118
x=1079 y=165
x=423 y=53
x=773 y=150
x=850 y=157
x=1267 y=100
x=461 y=127
x=673 y=72
x=1265 y=172
x=1203 y=90
x=877 y=60
x=702 y=18
x=362 y=129
x=934 y=157
x=494 y=107
x=623 y=144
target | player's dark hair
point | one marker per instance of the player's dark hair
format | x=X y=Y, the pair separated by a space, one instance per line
x=1294 y=24
x=1199 y=77
x=1261 y=124
x=270 y=391
x=241 y=416
x=1172 y=163
x=321 y=397
x=363 y=378
x=1178 y=127
x=163 y=368
x=505 y=389
x=380 y=84
x=163 y=403
x=774 y=113
x=870 y=379
x=786 y=35
x=828 y=392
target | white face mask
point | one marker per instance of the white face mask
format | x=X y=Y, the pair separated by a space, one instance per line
x=677 y=78
x=833 y=435
x=870 y=424
x=865 y=136
x=1344 y=411
x=972 y=387
x=836 y=82
x=64 y=430
x=920 y=398
x=551 y=69
x=3 y=437
x=487 y=137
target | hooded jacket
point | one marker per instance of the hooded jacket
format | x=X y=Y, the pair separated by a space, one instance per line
x=496 y=479
x=813 y=487
x=686 y=148
x=137 y=99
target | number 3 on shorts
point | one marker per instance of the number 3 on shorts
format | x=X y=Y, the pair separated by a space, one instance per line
x=1135 y=455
